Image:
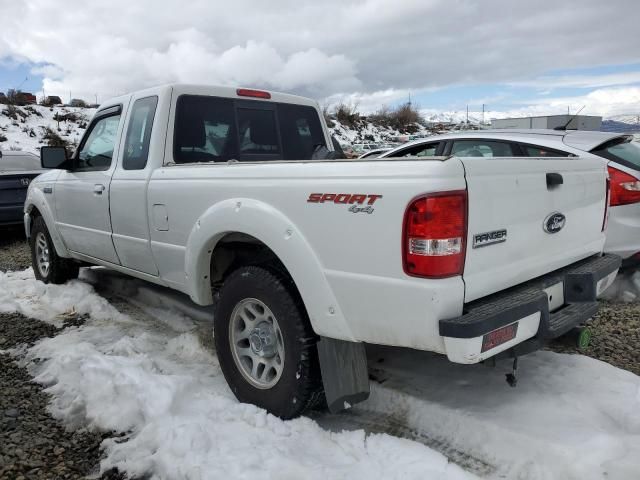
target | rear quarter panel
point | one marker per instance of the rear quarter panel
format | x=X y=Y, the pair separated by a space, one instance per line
x=347 y=266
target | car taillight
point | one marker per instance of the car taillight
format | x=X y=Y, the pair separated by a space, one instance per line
x=625 y=188
x=247 y=92
x=607 y=203
x=434 y=235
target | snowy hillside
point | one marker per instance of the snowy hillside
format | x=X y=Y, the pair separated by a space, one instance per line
x=364 y=132
x=631 y=119
x=30 y=127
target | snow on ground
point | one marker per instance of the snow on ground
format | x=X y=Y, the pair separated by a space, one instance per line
x=19 y=131
x=570 y=417
x=142 y=369
x=157 y=383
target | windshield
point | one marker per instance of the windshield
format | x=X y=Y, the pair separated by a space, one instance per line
x=622 y=150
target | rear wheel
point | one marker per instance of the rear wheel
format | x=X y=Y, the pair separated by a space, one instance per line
x=47 y=265
x=265 y=344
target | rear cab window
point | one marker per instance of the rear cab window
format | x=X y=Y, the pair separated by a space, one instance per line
x=622 y=150
x=216 y=129
x=136 y=147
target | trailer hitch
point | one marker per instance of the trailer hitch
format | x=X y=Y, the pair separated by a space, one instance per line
x=512 y=380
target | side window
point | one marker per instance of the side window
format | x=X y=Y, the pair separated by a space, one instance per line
x=136 y=149
x=535 y=151
x=300 y=130
x=482 y=148
x=257 y=132
x=204 y=130
x=96 y=151
x=422 y=150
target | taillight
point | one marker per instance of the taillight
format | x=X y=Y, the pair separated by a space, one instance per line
x=607 y=202
x=247 y=92
x=434 y=235
x=625 y=188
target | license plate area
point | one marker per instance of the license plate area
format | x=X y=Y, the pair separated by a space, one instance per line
x=555 y=296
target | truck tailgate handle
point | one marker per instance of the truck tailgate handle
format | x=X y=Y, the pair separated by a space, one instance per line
x=554 y=179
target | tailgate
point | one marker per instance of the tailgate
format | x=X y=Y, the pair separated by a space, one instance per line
x=528 y=217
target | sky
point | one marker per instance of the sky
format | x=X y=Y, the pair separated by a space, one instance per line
x=514 y=57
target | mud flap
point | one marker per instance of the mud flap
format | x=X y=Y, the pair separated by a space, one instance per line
x=344 y=373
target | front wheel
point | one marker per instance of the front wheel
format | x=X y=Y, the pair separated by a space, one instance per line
x=47 y=265
x=265 y=344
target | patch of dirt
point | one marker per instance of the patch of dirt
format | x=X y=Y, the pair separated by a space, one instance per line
x=616 y=336
x=14 y=249
x=33 y=445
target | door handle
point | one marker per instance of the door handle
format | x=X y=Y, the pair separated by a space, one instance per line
x=554 y=179
x=98 y=189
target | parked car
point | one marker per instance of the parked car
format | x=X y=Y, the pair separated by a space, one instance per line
x=17 y=170
x=222 y=193
x=623 y=234
x=374 y=153
x=364 y=147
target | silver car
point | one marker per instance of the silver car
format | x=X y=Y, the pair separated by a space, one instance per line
x=623 y=154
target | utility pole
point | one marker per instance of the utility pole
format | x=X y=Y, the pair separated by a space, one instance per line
x=467 y=114
x=483 y=114
x=20 y=86
x=69 y=97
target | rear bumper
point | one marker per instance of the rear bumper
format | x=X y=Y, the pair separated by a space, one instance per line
x=531 y=306
x=11 y=214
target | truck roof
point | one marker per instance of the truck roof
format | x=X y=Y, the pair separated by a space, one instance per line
x=213 y=90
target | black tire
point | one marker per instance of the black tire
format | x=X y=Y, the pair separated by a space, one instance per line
x=60 y=269
x=299 y=387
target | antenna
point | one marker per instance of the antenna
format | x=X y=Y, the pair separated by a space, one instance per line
x=564 y=127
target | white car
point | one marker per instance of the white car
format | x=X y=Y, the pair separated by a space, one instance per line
x=623 y=154
x=222 y=194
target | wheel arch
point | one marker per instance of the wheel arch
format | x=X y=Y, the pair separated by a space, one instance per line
x=37 y=205
x=250 y=222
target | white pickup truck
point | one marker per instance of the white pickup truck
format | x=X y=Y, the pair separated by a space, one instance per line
x=237 y=198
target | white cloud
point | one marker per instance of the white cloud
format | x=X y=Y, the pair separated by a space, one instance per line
x=371 y=50
x=603 y=101
x=581 y=81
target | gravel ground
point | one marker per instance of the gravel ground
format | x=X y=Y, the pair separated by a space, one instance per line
x=33 y=445
x=616 y=336
x=14 y=250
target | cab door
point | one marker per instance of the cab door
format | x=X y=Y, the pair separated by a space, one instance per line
x=82 y=193
x=138 y=156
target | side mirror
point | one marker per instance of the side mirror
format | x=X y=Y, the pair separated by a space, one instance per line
x=54 y=157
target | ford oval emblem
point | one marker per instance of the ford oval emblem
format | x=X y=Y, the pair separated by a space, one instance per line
x=554 y=222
